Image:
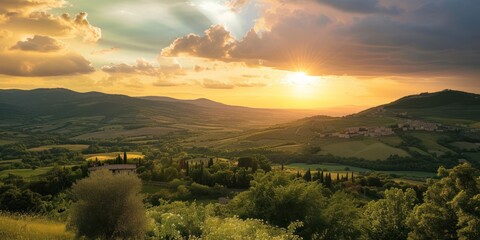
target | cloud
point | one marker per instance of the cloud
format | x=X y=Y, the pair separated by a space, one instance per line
x=360 y=6
x=32 y=17
x=25 y=7
x=40 y=64
x=39 y=44
x=435 y=38
x=142 y=67
x=250 y=84
x=105 y=51
x=214 y=44
x=235 y=5
x=214 y=84
x=81 y=25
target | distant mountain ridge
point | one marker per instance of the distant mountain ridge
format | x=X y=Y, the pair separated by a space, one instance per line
x=69 y=112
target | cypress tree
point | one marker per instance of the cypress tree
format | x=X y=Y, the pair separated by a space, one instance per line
x=353 y=179
x=210 y=162
x=282 y=166
x=321 y=177
x=298 y=174
x=187 y=168
x=338 y=177
x=308 y=176
x=125 y=157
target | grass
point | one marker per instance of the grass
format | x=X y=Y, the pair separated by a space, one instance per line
x=26 y=173
x=27 y=227
x=466 y=145
x=341 y=169
x=150 y=188
x=329 y=167
x=429 y=140
x=71 y=147
x=366 y=149
x=113 y=155
x=5 y=142
x=11 y=161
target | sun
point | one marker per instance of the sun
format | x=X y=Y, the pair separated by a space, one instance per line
x=300 y=79
x=302 y=85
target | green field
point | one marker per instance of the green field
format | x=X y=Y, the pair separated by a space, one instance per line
x=329 y=167
x=71 y=147
x=341 y=168
x=466 y=146
x=429 y=140
x=370 y=150
x=150 y=188
x=26 y=227
x=10 y=161
x=26 y=173
x=5 y=142
x=113 y=155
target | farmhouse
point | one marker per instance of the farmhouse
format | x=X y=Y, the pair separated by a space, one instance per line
x=117 y=168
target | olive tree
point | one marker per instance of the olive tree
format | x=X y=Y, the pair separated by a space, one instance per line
x=108 y=206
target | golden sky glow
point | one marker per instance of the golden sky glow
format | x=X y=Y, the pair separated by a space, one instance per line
x=293 y=54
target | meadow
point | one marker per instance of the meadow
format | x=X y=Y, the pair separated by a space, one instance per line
x=71 y=147
x=28 y=227
x=338 y=168
x=26 y=173
x=113 y=155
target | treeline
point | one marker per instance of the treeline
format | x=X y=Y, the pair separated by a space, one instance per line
x=417 y=161
x=41 y=196
x=308 y=210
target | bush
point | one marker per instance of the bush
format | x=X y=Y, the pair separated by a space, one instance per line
x=108 y=206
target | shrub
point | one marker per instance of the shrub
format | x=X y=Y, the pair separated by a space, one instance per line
x=108 y=206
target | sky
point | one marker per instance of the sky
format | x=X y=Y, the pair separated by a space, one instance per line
x=265 y=53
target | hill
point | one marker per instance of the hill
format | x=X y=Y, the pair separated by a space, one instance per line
x=326 y=135
x=440 y=106
x=99 y=115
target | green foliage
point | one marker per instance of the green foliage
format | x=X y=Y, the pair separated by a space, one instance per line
x=340 y=218
x=451 y=208
x=386 y=218
x=278 y=199
x=177 y=220
x=235 y=229
x=108 y=206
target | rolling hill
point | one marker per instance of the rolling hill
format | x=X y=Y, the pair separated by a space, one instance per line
x=450 y=108
x=99 y=115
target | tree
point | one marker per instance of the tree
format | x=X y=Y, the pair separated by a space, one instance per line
x=108 y=206
x=278 y=199
x=386 y=218
x=210 y=162
x=125 y=157
x=451 y=208
x=340 y=217
x=308 y=176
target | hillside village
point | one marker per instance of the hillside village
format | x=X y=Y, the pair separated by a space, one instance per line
x=409 y=125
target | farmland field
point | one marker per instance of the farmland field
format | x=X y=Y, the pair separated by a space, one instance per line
x=466 y=145
x=341 y=168
x=26 y=173
x=362 y=149
x=113 y=155
x=10 y=161
x=71 y=147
